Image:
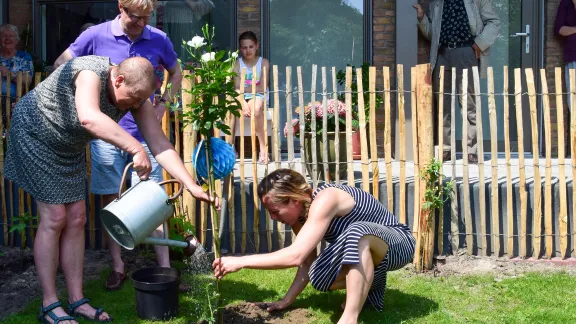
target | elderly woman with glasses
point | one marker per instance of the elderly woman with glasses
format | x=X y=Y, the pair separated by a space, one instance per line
x=12 y=60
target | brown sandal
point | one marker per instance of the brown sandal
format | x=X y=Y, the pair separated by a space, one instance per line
x=115 y=280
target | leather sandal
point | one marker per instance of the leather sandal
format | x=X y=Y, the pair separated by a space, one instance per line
x=115 y=280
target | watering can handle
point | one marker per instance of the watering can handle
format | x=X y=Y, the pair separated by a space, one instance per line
x=170 y=199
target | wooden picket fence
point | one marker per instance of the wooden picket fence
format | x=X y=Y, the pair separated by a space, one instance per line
x=501 y=231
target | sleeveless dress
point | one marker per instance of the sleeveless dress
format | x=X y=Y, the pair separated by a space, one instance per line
x=46 y=142
x=368 y=217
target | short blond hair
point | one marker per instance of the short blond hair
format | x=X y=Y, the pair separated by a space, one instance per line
x=142 y=4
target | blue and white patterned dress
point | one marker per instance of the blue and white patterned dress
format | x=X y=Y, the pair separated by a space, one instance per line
x=368 y=217
x=22 y=61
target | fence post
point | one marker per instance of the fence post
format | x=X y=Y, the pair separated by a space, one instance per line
x=425 y=137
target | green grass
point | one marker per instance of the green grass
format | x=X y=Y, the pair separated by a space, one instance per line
x=533 y=297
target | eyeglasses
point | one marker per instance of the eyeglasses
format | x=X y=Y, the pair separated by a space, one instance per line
x=135 y=18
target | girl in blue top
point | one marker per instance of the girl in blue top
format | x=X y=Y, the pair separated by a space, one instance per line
x=248 y=44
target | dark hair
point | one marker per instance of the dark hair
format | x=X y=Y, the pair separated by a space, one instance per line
x=248 y=35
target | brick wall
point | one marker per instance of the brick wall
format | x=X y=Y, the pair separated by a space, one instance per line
x=20 y=15
x=250 y=17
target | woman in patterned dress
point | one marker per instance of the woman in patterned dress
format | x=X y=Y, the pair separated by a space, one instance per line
x=51 y=126
x=366 y=241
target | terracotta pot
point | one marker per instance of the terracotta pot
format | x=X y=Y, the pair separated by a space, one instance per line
x=356 y=147
x=343 y=167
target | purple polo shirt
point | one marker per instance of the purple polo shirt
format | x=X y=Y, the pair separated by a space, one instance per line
x=108 y=39
x=566 y=16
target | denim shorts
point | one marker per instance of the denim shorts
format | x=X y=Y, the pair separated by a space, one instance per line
x=108 y=163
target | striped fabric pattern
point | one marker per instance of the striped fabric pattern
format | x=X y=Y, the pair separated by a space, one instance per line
x=368 y=217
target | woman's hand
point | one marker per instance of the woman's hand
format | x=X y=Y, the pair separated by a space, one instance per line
x=142 y=164
x=198 y=193
x=4 y=70
x=225 y=265
x=273 y=306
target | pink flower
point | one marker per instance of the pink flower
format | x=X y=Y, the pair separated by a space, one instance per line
x=295 y=127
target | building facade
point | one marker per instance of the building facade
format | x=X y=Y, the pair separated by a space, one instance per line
x=305 y=32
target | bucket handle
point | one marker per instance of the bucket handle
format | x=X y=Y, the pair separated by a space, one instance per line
x=170 y=199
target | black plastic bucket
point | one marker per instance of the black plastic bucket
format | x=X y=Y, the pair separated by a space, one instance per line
x=156 y=293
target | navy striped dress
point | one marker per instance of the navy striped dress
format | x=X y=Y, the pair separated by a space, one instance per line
x=368 y=217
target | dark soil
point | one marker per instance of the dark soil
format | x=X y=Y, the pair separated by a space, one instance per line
x=248 y=313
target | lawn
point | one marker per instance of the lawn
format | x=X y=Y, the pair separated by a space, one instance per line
x=531 y=297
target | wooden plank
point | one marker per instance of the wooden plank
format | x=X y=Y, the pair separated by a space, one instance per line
x=414 y=105
x=388 y=139
x=325 y=126
x=188 y=147
x=563 y=212
x=480 y=154
x=268 y=220
x=573 y=137
x=454 y=226
x=348 y=100
x=466 y=177
x=373 y=141
x=548 y=179
x=242 y=166
x=440 y=157
x=521 y=163
x=509 y=212
x=289 y=116
x=537 y=207
x=255 y=200
x=166 y=130
x=336 y=129
x=280 y=228
x=494 y=214
x=301 y=121
x=313 y=128
x=362 y=130
x=402 y=129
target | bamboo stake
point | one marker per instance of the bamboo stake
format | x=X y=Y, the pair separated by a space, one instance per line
x=563 y=215
x=465 y=178
x=265 y=104
x=537 y=210
x=301 y=121
x=204 y=216
x=348 y=99
x=372 y=119
x=280 y=228
x=548 y=180
x=188 y=146
x=494 y=215
x=480 y=154
x=289 y=116
x=520 y=134
x=325 y=126
x=441 y=157
x=362 y=130
x=166 y=129
x=313 y=129
x=510 y=216
x=242 y=166
x=388 y=139
x=454 y=196
x=414 y=106
x=255 y=202
x=337 y=128
x=402 y=122
x=573 y=136
x=2 y=182
x=21 y=210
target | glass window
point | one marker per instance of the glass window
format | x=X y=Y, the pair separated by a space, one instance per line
x=323 y=32
x=61 y=22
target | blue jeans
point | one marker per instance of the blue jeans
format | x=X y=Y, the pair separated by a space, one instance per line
x=108 y=163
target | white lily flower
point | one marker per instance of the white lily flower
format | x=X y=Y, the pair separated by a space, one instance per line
x=234 y=55
x=207 y=57
x=197 y=42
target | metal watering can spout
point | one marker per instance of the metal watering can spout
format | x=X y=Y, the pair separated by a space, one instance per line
x=137 y=212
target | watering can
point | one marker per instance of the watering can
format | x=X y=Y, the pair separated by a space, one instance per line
x=138 y=211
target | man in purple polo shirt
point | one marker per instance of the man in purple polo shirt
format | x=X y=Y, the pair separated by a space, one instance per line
x=126 y=36
x=565 y=25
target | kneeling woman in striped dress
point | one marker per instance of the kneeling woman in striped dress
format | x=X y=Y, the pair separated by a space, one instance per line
x=366 y=241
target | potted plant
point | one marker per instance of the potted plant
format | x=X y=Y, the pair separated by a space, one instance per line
x=341 y=78
x=336 y=113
